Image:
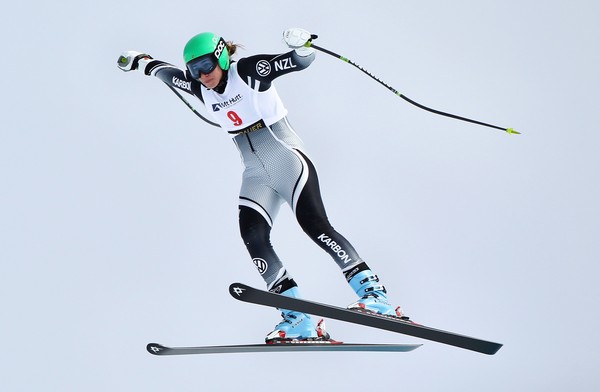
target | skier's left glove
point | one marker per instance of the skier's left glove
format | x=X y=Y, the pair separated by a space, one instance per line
x=132 y=60
x=299 y=40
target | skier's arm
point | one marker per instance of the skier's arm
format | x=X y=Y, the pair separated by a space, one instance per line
x=166 y=72
x=265 y=68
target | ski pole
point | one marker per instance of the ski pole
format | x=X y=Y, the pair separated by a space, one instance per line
x=125 y=60
x=347 y=60
x=189 y=105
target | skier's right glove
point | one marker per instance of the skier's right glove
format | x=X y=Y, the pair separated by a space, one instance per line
x=299 y=40
x=132 y=60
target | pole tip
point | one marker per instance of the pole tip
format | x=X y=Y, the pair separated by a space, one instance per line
x=511 y=131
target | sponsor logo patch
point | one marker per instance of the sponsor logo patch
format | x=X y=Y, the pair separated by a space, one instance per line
x=261 y=265
x=336 y=248
x=263 y=68
x=182 y=84
x=230 y=102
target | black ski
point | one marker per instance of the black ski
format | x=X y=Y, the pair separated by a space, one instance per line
x=159 y=349
x=245 y=293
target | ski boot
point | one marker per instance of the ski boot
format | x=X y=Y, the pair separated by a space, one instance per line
x=297 y=327
x=373 y=296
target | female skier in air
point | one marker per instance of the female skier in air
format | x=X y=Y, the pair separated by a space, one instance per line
x=242 y=99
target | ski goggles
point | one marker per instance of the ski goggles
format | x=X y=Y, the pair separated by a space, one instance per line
x=202 y=65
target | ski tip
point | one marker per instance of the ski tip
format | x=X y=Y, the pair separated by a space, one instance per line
x=237 y=289
x=155 y=348
x=511 y=131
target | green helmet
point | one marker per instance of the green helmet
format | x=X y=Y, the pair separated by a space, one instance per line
x=207 y=44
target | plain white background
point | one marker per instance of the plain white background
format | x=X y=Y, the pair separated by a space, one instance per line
x=119 y=207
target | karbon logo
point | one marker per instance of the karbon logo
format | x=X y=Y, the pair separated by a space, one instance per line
x=181 y=83
x=339 y=251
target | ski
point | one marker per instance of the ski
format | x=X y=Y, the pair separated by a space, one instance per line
x=159 y=349
x=246 y=293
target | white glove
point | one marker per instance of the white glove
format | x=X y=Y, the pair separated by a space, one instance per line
x=132 y=60
x=298 y=39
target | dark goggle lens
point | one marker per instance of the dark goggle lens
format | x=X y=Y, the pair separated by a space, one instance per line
x=202 y=65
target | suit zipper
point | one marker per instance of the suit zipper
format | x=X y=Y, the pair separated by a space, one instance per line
x=250 y=143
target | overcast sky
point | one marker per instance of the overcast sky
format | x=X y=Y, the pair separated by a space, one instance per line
x=119 y=206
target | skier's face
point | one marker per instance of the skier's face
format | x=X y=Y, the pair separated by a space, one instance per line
x=206 y=69
x=212 y=79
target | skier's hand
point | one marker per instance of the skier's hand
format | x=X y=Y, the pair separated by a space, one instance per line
x=130 y=60
x=299 y=39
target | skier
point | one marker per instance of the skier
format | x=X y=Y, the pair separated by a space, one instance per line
x=242 y=99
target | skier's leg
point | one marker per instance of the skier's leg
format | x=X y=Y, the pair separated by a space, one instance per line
x=312 y=217
x=255 y=232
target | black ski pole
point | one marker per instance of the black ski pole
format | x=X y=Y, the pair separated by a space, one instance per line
x=189 y=105
x=347 y=60
x=125 y=60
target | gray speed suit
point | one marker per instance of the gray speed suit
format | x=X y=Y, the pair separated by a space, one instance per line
x=277 y=169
